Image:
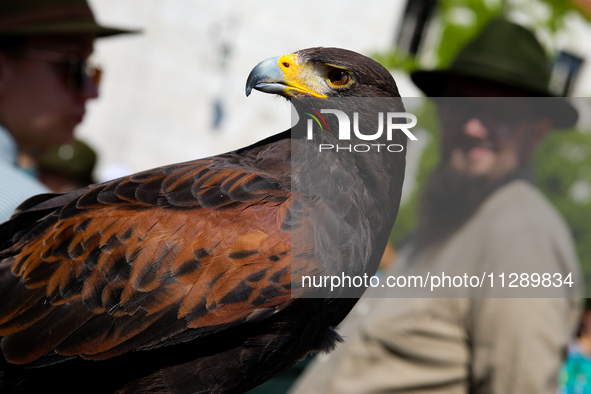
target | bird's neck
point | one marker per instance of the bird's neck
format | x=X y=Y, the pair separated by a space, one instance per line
x=355 y=185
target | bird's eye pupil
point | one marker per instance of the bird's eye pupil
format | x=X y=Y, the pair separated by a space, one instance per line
x=339 y=77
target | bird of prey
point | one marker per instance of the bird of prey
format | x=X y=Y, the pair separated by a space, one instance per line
x=178 y=279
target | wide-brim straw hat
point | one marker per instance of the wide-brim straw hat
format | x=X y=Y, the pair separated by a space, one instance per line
x=508 y=54
x=38 y=17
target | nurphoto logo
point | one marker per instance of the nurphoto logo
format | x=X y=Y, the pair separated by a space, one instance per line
x=344 y=132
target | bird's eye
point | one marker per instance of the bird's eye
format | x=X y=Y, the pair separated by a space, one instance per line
x=339 y=77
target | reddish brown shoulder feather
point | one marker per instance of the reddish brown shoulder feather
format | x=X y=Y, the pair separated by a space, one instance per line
x=132 y=263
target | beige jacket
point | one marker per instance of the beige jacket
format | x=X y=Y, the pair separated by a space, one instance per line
x=465 y=345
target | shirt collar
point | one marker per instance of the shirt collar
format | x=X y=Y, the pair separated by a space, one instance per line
x=8 y=148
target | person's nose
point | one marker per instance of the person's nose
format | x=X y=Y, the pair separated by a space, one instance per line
x=475 y=129
x=89 y=90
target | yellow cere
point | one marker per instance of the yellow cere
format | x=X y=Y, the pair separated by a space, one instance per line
x=300 y=79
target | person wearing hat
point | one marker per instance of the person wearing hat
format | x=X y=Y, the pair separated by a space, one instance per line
x=480 y=212
x=45 y=82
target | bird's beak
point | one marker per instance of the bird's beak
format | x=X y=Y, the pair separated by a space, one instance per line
x=284 y=76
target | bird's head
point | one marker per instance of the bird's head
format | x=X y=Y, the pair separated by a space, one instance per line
x=325 y=80
x=322 y=73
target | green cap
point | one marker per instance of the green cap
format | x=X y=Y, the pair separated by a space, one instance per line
x=75 y=159
x=34 y=17
x=508 y=54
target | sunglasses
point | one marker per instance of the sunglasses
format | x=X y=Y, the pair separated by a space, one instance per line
x=79 y=71
x=500 y=116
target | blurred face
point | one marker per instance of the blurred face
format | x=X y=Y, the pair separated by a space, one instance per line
x=39 y=104
x=488 y=130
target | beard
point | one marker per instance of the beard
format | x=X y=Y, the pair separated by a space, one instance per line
x=450 y=198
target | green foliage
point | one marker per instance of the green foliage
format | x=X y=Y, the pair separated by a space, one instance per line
x=396 y=60
x=462 y=19
x=559 y=9
x=563 y=167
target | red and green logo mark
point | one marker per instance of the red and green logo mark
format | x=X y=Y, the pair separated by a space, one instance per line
x=315 y=116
